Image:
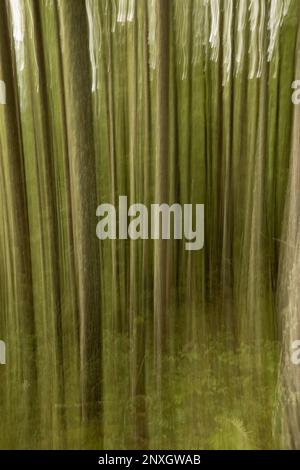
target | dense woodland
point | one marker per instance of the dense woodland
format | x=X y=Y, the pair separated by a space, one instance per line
x=140 y=343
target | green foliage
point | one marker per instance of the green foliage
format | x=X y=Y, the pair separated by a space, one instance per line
x=136 y=344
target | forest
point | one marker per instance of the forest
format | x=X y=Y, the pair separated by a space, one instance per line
x=137 y=342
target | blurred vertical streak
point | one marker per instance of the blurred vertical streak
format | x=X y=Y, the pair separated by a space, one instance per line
x=17 y=315
x=78 y=105
x=161 y=178
x=288 y=289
